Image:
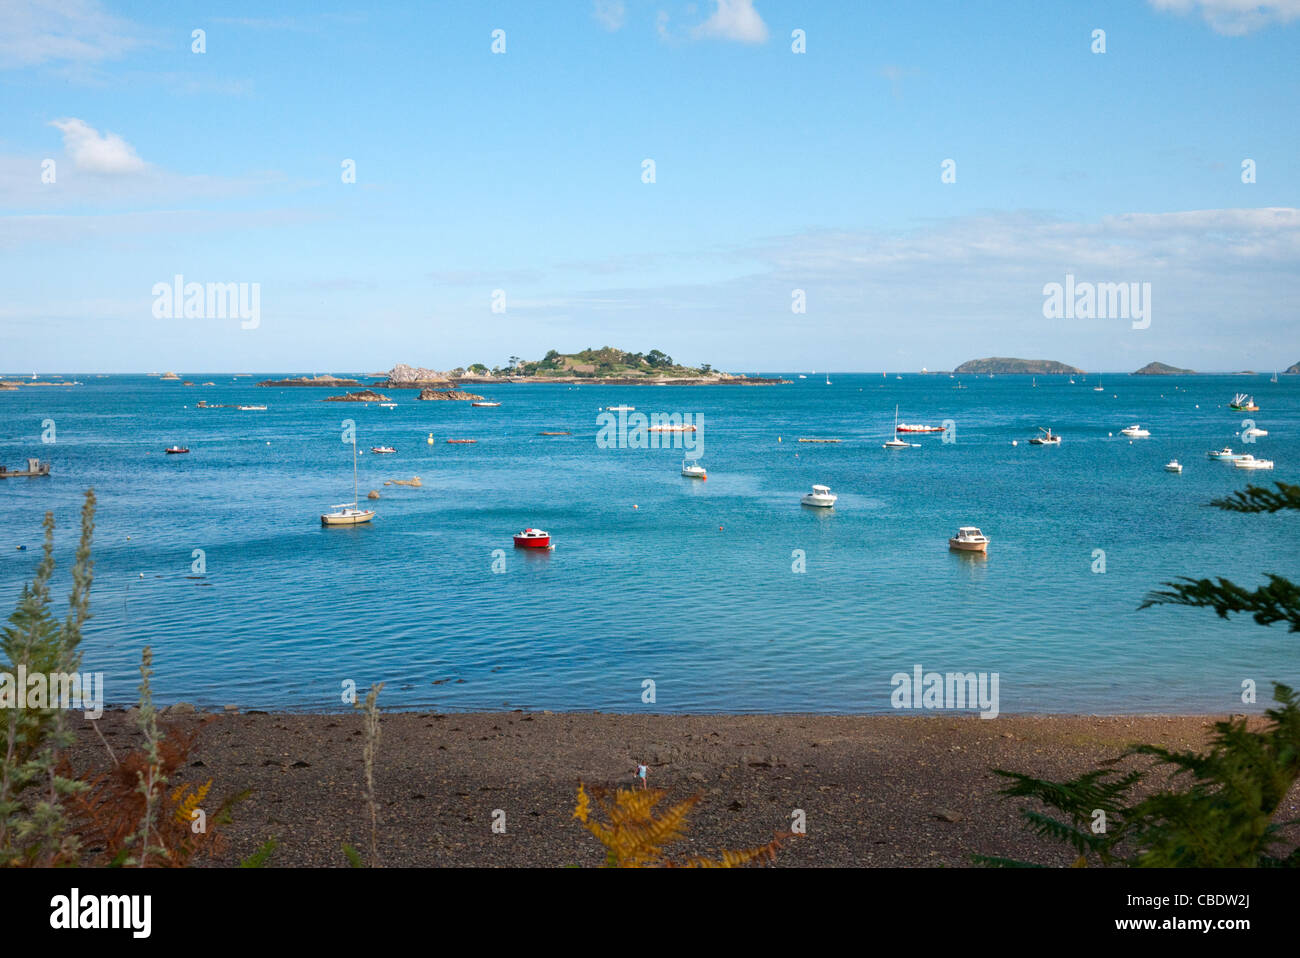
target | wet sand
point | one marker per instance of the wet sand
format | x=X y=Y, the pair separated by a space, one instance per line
x=876 y=790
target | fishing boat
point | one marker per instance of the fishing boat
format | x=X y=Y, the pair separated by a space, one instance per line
x=1048 y=438
x=911 y=427
x=1173 y=465
x=344 y=514
x=894 y=442
x=485 y=404
x=34 y=468
x=1250 y=462
x=821 y=496
x=176 y=450
x=382 y=450
x=1224 y=455
x=969 y=539
x=1135 y=432
x=1243 y=403
x=691 y=469
x=533 y=539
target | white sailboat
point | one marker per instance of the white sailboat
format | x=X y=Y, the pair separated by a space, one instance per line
x=894 y=442
x=345 y=515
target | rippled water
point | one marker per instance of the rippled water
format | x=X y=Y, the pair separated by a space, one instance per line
x=693 y=587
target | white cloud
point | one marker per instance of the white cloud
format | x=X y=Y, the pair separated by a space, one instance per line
x=734 y=20
x=33 y=32
x=92 y=152
x=610 y=14
x=1235 y=17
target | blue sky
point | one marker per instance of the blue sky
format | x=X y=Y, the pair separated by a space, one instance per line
x=522 y=172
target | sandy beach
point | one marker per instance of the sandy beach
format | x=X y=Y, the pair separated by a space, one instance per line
x=876 y=790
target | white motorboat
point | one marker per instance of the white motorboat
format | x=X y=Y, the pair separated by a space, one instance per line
x=620 y=409
x=1224 y=455
x=1048 y=438
x=1135 y=432
x=1250 y=462
x=969 y=539
x=485 y=404
x=1254 y=431
x=820 y=496
x=691 y=469
x=1173 y=465
x=388 y=405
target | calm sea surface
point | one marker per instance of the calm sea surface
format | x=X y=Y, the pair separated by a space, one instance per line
x=655 y=576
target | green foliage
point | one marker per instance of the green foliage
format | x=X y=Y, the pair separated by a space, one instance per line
x=33 y=825
x=260 y=857
x=1223 y=815
x=353 y=856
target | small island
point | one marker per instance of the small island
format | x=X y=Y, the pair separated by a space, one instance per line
x=1005 y=366
x=366 y=395
x=333 y=382
x=607 y=364
x=1293 y=370
x=1162 y=369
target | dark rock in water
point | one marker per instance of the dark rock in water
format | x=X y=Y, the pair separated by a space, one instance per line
x=372 y=494
x=446 y=394
x=366 y=395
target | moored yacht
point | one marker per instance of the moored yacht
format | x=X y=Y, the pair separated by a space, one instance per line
x=1250 y=462
x=1135 y=432
x=820 y=496
x=969 y=539
x=691 y=469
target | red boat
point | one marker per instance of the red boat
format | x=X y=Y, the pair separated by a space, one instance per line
x=533 y=539
x=176 y=450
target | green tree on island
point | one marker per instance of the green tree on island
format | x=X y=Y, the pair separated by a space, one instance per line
x=1225 y=815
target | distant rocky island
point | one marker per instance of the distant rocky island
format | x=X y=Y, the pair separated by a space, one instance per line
x=607 y=364
x=332 y=382
x=1000 y=365
x=1162 y=369
x=1293 y=370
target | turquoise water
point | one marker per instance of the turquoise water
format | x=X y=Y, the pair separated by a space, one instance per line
x=654 y=576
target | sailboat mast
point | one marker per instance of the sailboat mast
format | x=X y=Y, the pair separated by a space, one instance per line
x=355 y=497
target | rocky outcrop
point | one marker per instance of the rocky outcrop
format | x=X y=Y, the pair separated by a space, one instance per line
x=446 y=394
x=1162 y=369
x=403 y=376
x=366 y=395
x=1004 y=366
x=332 y=382
x=169 y=376
x=1294 y=369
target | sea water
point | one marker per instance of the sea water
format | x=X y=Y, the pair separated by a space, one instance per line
x=662 y=594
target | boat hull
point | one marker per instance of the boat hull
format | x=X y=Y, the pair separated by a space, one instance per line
x=330 y=519
x=532 y=542
x=959 y=545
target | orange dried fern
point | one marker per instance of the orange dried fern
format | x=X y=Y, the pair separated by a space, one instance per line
x=635 y=836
